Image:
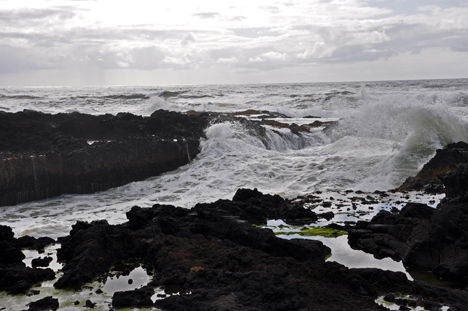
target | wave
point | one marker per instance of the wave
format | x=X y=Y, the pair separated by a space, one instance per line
x=168 y=94
x=110 y=97
x=127 y=96
x=239 y=135
x=405 y=130
x=195 y=96
x=7 y=97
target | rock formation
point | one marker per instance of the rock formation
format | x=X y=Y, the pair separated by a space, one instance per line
x=217 y=261
x=15 y=277
x=435 y=239
x=43 y=155
x=445 y=160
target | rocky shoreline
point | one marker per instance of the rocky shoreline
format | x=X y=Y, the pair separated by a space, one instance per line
x=217 y=260
x=46 y=155
x=215 y=255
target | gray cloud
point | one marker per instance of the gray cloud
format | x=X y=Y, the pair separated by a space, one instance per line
x=237 y=18
x=271 y=9
x=207 y=15
x=56 y=38
x=188 y=39
x=255 y=32
x=28 y=15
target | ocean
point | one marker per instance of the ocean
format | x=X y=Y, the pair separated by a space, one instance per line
x=385 y=132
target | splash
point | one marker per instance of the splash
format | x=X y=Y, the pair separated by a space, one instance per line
x=406 y=130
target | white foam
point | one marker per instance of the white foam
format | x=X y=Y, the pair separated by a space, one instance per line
x=386 y=132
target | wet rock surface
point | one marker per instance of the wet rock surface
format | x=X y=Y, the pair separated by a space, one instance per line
x=45 y=304
x=44 y=155
x=436 y=239
x=445 y=160
x=138 y=298
x=15 y=277
x=215 y=259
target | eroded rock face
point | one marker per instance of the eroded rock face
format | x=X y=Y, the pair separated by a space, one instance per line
x=43 y=155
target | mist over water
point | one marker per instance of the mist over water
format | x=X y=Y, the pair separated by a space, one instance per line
x=385 y=132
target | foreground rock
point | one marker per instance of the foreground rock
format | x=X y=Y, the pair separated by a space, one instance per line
x=15 y=277
x=217 y=261
x=445 y=160
x=436 y=239
x=46 y=304
x=43 y=155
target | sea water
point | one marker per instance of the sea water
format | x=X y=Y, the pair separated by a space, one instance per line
x=385 y=132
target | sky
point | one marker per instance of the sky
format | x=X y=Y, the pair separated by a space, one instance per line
x=137 y=42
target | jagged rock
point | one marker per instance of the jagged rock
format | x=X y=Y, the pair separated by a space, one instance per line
x=138 y=238
x=436 y=239
x=19 y=279
x=15 y=277
x=216 y=261
x=89 y=304
x=30 y=242
x=456 y=184
x=445 y=160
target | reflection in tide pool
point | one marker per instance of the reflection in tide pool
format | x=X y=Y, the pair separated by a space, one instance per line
x=345 y=255
x=135 y=279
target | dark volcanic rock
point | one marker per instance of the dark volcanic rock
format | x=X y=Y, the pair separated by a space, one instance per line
x=44 y=304
x=456 y=184
x=216 y=261
x=436 y=239
x=19 y=279
x=91 y=249
x=136 y=239
x=255 y=207
x=138 y=298
x=45 y=155
x=445 y=160
x=15 y=277
x=30 y=242
x=41 y=262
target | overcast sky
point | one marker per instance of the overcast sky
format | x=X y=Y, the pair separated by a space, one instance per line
x=242 y=41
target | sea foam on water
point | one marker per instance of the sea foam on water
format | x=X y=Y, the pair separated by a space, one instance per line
x=385 y=132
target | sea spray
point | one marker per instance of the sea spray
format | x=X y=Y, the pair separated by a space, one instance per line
x=407 y=130
x=386 y=131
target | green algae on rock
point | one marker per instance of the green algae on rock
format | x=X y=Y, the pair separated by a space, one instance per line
x=314 y=231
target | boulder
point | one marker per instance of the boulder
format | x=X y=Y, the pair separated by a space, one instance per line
x=45 y=304
x=138 y=298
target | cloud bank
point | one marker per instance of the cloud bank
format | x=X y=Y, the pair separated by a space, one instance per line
x=242 y=41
